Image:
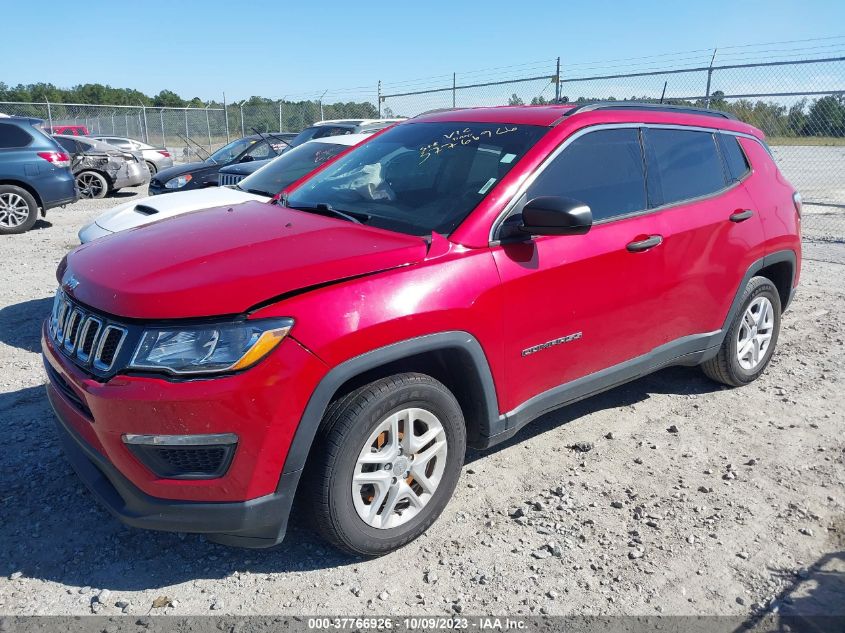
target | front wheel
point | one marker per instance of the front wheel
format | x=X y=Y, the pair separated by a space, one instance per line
x=92 y=184
x=751 y=337
x=386 y=461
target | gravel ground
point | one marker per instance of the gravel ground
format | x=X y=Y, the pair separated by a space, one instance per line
x=692 y=498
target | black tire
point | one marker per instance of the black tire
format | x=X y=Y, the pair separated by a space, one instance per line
x=346 y=427
x=152 y=168
x=12 y=195
x=92 y=184
x=725 y=366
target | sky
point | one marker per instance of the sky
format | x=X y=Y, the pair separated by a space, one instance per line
x=276 y=49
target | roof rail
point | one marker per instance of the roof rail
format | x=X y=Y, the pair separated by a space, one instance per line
x=654 y=107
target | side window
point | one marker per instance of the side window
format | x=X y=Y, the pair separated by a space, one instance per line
x=734 y=157
x=68 y=144
x=603 y=169
x=13 y=136
x=261 y=151
x=682 y=164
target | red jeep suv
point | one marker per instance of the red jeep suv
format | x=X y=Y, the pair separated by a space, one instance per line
x=437 y=287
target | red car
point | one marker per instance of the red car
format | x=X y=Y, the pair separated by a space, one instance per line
x=68 y=130
x=437 y=287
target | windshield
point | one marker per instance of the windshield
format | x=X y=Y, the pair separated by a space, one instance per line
x=320 y=131
x=419 y=177
x=290 y=166
x=230 y=152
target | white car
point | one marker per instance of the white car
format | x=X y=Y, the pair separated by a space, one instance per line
x=261 y=185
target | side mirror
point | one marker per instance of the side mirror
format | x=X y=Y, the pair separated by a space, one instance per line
x=552 y=215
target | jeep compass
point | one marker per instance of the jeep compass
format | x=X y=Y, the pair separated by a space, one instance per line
x=438 y=286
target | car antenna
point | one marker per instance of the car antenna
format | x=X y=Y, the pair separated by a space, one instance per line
x=278 y=138
x=190 y=140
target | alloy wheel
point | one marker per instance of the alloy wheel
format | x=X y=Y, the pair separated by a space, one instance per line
x=14 y=210
x=399 y=468
x=755 y=333
x=90 y=185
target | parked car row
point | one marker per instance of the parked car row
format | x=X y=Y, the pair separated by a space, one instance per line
x=436 y=286
x=45 y=167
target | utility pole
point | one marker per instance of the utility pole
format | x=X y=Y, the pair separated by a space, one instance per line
x=49 y=114
x=378 y=97
x=454 y=80
x=241 y=106
x=146 y=128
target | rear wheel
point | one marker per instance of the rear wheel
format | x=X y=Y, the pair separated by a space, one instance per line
x=386 y=462
x=152 y=168
x=18 y=210
x=92 y=184
x=751 y=337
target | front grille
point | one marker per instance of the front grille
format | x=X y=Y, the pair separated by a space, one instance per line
x=185 y=462
x=224 y=180
x=66 y=390
x=87 y=339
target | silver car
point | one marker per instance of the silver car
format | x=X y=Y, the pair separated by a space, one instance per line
x=101 y=169
x=157 y=158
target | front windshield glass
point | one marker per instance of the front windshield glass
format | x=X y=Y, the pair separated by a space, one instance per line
x=419 y=177
x=319 y=131
x=290 y=166
x=230 y=152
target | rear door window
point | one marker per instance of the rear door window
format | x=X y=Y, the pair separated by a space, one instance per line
x=13 y=136
x=68 y=144
x=603 y=169
x=682 y=164
x=735 y=160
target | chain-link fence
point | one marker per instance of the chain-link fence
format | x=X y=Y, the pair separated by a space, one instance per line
x=799 y=104
x=209 y=127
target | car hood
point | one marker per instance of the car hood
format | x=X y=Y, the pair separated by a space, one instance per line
x=154 y=208
x=244 y=169
x=185 y=168
x=226 y=260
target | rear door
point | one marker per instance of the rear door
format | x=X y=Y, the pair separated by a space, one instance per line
x=577 y=304
x=712 y=230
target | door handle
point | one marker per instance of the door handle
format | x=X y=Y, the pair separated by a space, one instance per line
x=643 y=245
x=741 y=216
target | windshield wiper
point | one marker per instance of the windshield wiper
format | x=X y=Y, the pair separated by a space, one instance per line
x=324 y=208
x=257 y=192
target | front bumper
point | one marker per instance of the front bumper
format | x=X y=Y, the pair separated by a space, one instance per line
x=260 y=522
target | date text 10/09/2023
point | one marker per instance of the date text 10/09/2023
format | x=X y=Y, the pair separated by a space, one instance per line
x=416 y=623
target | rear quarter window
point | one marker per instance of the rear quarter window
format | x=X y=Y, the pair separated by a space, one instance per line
x=682 y=164
x=13 y=136
x=735 y=160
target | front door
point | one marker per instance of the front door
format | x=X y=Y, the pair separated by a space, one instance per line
x=575 y=305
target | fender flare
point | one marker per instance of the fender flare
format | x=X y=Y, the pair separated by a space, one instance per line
x=772 y=258
x=321 y=397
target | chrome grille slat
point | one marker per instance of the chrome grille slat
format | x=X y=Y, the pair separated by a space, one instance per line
x=228 y=179
x=88 y=340
x=83 y=350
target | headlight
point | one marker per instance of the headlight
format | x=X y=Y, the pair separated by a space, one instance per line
x=208 y=349
x=178 y=182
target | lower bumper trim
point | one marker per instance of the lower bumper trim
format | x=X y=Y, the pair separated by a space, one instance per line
x=255 y=523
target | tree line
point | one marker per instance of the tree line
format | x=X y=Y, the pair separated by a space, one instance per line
x=818 y=117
